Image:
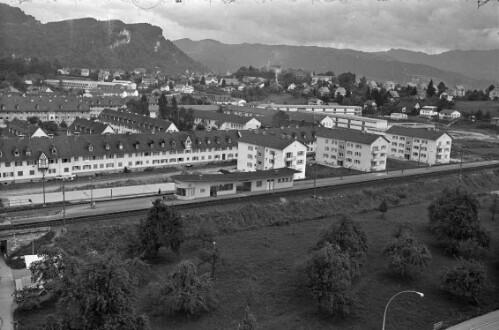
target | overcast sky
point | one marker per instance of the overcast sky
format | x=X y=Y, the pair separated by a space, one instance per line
x=431 y=26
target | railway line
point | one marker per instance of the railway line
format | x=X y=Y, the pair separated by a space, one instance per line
x=305 y=188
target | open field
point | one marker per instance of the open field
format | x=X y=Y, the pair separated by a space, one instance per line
x=473 y=106
x=262 y=258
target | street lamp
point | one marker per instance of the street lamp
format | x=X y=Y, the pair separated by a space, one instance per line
x=43 y=166
x=389 y=301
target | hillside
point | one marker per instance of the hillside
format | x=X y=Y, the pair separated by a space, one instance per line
x=90 y=43
x=480 y=64
x=224 y=57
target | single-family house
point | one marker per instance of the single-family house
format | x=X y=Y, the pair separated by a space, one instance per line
x=449 y=114
x=398 y=116
x=428 y=111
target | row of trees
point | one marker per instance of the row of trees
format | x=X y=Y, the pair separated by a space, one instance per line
x=182 y=118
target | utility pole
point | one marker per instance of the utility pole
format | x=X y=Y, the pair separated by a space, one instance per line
x=64 y=205
x=461 y=165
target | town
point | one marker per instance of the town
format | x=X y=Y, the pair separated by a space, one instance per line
x=263 y=197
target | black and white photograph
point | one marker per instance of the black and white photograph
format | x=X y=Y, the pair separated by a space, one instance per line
x=249 y=164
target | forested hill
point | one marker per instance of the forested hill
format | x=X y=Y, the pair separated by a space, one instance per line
x=88 y=43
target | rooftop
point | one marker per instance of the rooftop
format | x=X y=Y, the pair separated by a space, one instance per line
x=349 y=135
x=236 y=176
x=417 y=132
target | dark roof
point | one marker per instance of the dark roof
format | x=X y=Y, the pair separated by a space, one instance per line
x=346 y=134
x=86 y=126
x=132 y=120
x=249 y=110
x=417 y=132
x=236 y=176
x=201 y=107
x=21 y=127
x=265 y=139
x=70 y=146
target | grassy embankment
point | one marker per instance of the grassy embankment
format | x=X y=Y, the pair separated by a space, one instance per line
x=263 y=244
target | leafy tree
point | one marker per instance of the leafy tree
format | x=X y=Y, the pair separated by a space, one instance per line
x=203 y=81
x=182 y=292
x=164 y=112
x=454 y=216
x=493 y=208
x=34 y=120
x=441 y=87
x=329 y=273
x=171 y=86
x=430 y=90
x=414 y=91
x=248 y=322
x=383 y=207
x=362 y=83
x=467 y=279
x=348 y=236
x=211 y=257
x=347 y=80
x=144 y=105
x=163 y=227
x=99 y=296
x=404 y=253
x=223 y=84
x=280 y=119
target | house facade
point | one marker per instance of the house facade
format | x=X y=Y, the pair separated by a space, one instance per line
x=354 y=122
x=221 y=121
x=127 y=122
x=259 y=151
x=25 y=160
x=318 y=108
x=351 y=149
x=398 y=116
x=428 y=111
x=449 y=114
x=420 y=145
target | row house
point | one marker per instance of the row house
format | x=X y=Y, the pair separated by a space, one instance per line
x=46 y=109
x=91 y=84
x=420 y=145
x=355 y=123
x=259 y=150
x=86 y=126
x=353 y=149
x=221 y=121
x=247 y=111
x=35 y=159
x=318 y=108
x=22 y=128
x=127 y=122
x=449 y=114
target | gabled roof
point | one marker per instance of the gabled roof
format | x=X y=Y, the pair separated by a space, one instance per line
x=264 y=139
x=349 y=135
x=135 y=121
x=448 y=111
x=428 y=134
x=86 y=126
x=99 y=145
x=222 y=117
x=249 y=110
x=236 y=176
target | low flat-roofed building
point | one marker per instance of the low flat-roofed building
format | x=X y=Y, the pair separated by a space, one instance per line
x=192 y=186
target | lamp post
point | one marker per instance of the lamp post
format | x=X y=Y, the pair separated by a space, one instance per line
x=43 y=166
x=64 y=205
x=393 y=297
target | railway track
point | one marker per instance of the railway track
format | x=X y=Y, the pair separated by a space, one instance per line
x=309 y=191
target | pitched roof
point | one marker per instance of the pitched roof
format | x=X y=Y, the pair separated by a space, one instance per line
x=70 y=146
x=236 y=176
x=249 y=110
x=222 y=117
x=349 y=135
x=132 y=120
x=416 y=132
x=42 y=104
x=448 y=111
x=264 y=139
x=86 y=126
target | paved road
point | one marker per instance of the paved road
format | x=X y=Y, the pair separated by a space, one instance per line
x=488 y=321
x=7 y=287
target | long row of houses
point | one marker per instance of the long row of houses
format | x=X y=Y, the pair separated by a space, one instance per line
x=36 y=158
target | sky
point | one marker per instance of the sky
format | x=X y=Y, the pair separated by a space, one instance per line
x=431 y=26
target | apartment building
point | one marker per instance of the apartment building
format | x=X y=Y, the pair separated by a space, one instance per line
x=319 y=108
x=260 y=150
x=420 y=145
x=127 y=122
x=355 y=122
x=91 y=84
x=45 y=108
x=428 y=111
x=351 y=149
x=86 y=126
x=32 y=159
x=221 y=121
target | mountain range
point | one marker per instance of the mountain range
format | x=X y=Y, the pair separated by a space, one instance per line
x=88 y=43
x=477 y=69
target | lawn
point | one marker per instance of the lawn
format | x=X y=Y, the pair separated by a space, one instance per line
x=261 y=264
x=328 y=172
x=473 y=106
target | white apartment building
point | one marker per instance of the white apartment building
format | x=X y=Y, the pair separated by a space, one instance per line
x=355 y=122
x=351 y=149
x=322 y=108
x=91 y=84
x=32 y=159
x=428 y=111
x=264 y=151
x=420 y=145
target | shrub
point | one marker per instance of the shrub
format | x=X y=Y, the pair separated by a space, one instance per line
x=466 y=279
x=468 y=249
x=404 y=254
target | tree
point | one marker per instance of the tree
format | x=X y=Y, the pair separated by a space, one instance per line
x=280 y=119
x=99 y=296
x=144 y=106
x=163 y=107
x=329 y=273
x=493 y=208
x=348 y=236
x=34 y=120
x=203 y=81
x=441 y=87
x=430 y=90
x=211 y=257
x=248 y=322
x=182 y=292
x=466 y=279
x=414 y=91
x=162 y=227
x=383 y=207
x=404 y=253
x=454 y=216
x=362 y=83
x=347 y=80
x=223 y=84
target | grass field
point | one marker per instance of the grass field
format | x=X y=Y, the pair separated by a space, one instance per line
x=473 y=106
x=262 y=262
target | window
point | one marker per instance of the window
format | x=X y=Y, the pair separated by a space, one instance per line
x=289 y=154
x=259 y=183
x=250 y=156
x=249 y=165
x=20 y=173
x=66 y=169
x=299 y=162
x=18 y=163
x=250 y=148
x=300 y=153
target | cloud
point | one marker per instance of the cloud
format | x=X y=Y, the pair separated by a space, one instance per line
x=370 y=25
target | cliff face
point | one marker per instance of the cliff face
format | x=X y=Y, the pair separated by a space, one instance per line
x=90 y=43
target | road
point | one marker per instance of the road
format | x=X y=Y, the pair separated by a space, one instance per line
x=7 y=287
x=488 y=321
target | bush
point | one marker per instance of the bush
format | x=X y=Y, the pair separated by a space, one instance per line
x=468 y=249
x=467 y=279
x=404 y=254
